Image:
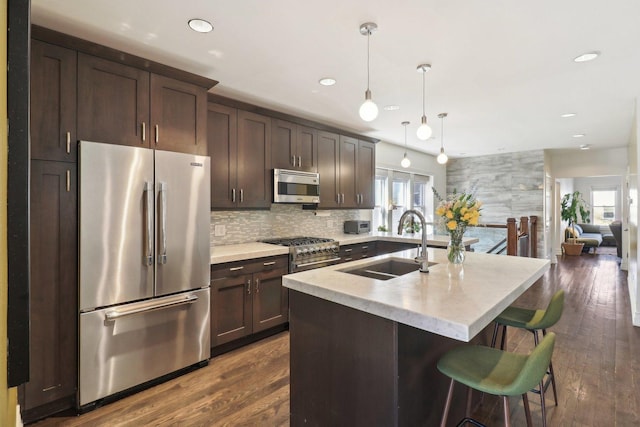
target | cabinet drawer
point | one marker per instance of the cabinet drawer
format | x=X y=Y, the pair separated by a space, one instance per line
x=237 y=268
x=357 y=251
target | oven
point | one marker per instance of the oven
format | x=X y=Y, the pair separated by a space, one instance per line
x=306 y=253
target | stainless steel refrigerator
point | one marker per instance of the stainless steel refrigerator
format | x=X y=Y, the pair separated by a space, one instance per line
x=144 y=266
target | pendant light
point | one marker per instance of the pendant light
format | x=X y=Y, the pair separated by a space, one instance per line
x=442 y=157
x=368 y=109
x=405 y=163
x=424 y=131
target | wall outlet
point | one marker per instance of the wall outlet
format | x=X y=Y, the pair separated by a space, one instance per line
x=219 y=230
x=329 y=223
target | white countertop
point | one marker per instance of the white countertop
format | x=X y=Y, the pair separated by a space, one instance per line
x=432 y=239
x=244 y=251
x=453 y=301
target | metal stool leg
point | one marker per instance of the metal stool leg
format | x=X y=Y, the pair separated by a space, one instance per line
x=527 y=410
x=507 y=415
x=552 y=375
x=544 y=409
x=447 y=405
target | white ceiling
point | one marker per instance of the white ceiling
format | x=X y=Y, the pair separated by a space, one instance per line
x=502 y=69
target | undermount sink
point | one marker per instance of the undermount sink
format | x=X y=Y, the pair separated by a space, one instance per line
x=385 y=269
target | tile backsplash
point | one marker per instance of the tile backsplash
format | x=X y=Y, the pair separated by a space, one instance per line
x=280 y=221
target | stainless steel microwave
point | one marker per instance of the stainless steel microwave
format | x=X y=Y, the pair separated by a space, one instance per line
x=295 y=186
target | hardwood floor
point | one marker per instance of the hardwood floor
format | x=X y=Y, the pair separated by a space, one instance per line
x=596 y=359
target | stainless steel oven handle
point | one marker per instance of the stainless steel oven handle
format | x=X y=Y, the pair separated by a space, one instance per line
x=116 y=314
x=306 y=264
x=162 y=219
x=147 y=258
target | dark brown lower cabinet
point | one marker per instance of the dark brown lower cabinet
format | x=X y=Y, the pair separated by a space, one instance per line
x=53 y=304
x=247 y=297
x=358 y=251
x=383 y=247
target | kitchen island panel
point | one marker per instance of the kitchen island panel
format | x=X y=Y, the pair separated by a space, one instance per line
x=353 y=368
x=343 y=365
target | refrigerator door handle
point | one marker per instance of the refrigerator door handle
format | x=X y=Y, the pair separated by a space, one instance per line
x=146 y=307
x=147 y=258
x=162 y=220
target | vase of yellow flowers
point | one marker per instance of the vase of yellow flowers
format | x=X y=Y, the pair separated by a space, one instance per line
x=458 y=212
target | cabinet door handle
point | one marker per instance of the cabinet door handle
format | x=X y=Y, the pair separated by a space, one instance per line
x=144 y=131
x=241 y=195
x=157 y=133
x=68 y=180
x=365 y=247
x=249 y=287
x=257 y=286
x=233 y=195
x=293 y=161
x=68 y=142
x=299 y=161
x=266 y=264
x=348 y=250
x=342 y=197
x=338 y=198
x=236 y=268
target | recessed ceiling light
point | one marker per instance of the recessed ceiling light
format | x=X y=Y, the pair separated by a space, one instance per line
x=327 y=81
x=589 y=56
x=391 y=107
x=584 y=147
x=578 y=135
x=567 y=115
x=200 y=25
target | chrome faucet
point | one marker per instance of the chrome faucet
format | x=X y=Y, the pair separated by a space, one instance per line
x=423 y=258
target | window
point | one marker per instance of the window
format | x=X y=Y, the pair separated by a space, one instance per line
x=423 y=196
x=395 y=192
x=380 y=202
x=399 y=197
x=603 y=204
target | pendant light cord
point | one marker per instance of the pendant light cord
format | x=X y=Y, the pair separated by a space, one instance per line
x=442 y=135
x=368 y=37
x=423 y=91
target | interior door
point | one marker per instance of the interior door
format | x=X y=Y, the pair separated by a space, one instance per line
x=182 y=222
x=116 y=234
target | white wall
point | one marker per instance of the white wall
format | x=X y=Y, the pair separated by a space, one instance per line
x=585 y=185
x=633 y=218
x=580 y=163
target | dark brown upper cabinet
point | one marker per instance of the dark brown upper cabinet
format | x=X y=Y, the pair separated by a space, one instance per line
x=347 y=170
x=240 y=149
x=328 y=162
x=53 y=102
x=293 y=146
x=365 y=175
x=178 y=115
x=120 y=104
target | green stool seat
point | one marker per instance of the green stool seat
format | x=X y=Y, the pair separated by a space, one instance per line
x=533 y=321
x=497 y=372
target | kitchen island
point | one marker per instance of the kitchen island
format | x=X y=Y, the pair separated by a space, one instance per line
x=364 y=350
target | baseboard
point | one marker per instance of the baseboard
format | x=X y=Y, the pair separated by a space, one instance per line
x=633 y=298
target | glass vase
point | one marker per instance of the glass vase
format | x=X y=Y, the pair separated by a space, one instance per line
x=455 y=248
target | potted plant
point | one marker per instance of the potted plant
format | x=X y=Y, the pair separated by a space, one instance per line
x=573 y=204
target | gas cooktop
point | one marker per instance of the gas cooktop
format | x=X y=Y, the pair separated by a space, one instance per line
x=297 y=241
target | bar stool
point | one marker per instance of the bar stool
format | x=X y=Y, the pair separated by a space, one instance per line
x=497 y=372
x=533 y=321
